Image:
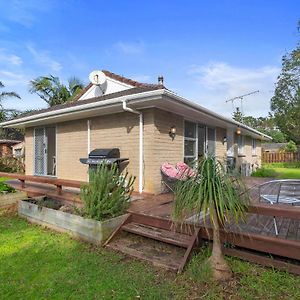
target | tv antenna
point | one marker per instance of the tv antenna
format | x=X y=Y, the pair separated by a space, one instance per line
x=241 y=98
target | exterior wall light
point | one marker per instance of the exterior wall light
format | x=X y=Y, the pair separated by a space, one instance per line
x=238 y=131
x=224 y=140
x=172 y=132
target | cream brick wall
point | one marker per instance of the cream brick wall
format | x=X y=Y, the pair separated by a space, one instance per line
x=163 y=147
x=71 y=145
x=122 y=131
x=29 y=151
x=247 y=156
x=221 y=147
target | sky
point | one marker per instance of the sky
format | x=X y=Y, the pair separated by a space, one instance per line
x=207 y=51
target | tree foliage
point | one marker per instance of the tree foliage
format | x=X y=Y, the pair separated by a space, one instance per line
x=266 y=125
x=285 y=103
x=53 y=91
x=8 y=114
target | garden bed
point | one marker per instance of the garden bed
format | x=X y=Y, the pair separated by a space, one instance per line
x=53 y=214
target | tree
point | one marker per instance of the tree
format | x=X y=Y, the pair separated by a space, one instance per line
x=4 y=113
x=285 y=103
x=50 y=89
x=212 y=192
x=291 y=147
x=238 y=115
x=8 y=114
x=266 y=125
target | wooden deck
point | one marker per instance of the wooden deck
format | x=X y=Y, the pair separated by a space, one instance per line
x=256 y=234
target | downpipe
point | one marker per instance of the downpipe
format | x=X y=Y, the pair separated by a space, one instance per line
x=141 y=140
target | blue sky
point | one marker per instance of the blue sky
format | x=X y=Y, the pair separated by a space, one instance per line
x=208 y=51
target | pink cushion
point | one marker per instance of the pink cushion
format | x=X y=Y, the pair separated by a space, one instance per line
x=185 y=170
x=169 y=170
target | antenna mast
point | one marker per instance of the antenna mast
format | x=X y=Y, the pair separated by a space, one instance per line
x=241 y=98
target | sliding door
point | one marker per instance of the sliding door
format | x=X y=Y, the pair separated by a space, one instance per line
x=45 y=151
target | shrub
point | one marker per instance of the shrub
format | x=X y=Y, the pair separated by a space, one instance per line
x=4 y=188
x=291 y=147
x=263 y=172
x=107 y=195
x=11 y=164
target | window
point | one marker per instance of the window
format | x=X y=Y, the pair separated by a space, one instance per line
x=253 y=146
x=240 y=142
x=190 y=140
x=211 y=137
x=18 y=152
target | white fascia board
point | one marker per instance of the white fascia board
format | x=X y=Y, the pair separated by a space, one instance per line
x=80 y=108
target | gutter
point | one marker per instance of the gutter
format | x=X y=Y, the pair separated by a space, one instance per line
x=141 y=142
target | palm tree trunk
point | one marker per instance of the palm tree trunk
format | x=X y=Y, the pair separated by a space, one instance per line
x=220 y=268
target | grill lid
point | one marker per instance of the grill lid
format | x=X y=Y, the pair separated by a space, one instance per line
x=105 y=153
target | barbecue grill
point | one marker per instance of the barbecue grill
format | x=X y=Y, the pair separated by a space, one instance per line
x=108 y=156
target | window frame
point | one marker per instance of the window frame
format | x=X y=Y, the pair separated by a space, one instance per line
x=194 y=139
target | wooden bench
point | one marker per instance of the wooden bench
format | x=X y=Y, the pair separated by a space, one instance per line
x=58 y=183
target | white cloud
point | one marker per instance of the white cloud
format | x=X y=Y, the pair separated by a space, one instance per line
x=130 y=47
x=10 y=58
x=43 y=58
x=216 y=82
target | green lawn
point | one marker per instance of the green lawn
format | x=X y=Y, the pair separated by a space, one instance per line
x=280 y=171
x=288 y=173
x=36 y=263
x=285 y=170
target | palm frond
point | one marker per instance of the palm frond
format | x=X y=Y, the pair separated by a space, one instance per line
x=5 y=95
x=212 y=189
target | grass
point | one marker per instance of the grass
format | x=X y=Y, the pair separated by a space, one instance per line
x=279 y=170
x=36 y=263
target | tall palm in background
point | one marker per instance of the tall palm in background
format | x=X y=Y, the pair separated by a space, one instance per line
x=8 y=114
x=214 y=193
x=53 y=91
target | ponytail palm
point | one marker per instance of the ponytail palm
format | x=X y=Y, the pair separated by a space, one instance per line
x=212 y=192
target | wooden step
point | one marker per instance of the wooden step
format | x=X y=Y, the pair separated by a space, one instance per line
x=157 y=253
x=167 y=236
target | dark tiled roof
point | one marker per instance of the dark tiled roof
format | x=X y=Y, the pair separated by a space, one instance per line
x=132 y=91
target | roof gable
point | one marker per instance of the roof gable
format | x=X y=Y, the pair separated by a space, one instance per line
x=114 y=84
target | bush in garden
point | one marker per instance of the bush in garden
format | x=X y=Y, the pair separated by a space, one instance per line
x=107 y=195
x=11 y=164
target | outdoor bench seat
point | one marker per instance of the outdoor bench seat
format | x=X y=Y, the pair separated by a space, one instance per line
x=285 y=191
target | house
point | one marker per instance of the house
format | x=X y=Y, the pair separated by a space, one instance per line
x=147 y=122
x=18 y=151
x=6 y=147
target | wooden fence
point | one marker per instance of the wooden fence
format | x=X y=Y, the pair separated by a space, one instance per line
x=268 y=157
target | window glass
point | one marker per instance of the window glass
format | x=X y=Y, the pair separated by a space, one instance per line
x=253 y=146
x=190 y=142
x=190 y=130
x=189 y=148
x=240 y=141
x=211 y=141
